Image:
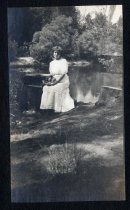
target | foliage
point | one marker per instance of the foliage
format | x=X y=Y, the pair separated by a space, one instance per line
x=24 y=49
x=49 y=26
x=24 y=22
x=65 y=159
x=39 y=16
x=95 y=37
x=71 y=11
x=106 y=63
x=111 y=64
x=58 y=32
x=86 y=44
x=99 y=36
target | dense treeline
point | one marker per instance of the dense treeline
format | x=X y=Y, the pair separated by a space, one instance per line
x=34 y=31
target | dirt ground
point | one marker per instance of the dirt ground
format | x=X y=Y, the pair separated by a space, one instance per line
x=75 y=156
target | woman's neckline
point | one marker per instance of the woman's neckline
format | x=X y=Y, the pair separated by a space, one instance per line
x=59 y=59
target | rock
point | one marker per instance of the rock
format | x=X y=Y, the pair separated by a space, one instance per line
x=109 y=96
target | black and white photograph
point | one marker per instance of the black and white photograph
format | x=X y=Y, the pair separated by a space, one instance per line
x=66 y=99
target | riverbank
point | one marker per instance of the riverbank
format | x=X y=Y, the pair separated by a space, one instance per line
x=111 y=64
x=29 y=62
x=75 y=156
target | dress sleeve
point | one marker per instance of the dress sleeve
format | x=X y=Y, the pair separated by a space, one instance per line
x=64 y=66
x=50 y=69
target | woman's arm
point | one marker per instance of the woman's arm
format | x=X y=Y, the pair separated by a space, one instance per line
x=57 y=81
x=49 y=76
x=63 y=70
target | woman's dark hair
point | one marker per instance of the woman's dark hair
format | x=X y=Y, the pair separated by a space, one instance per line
x=58 y=49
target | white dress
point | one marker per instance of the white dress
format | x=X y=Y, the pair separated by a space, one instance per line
x=57 y=97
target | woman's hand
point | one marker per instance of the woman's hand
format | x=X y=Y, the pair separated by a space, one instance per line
x=52 y=82
x=49 y=84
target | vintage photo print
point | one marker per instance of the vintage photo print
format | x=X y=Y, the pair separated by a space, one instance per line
x=66 y=103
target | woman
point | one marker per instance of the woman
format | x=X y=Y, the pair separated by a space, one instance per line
x=56 y=92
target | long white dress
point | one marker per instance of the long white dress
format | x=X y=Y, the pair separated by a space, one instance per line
x=57 y=97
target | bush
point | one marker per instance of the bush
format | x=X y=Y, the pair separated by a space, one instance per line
x=99 y=37
x=14 y=50
x=96 y=37
x=23 y=50
x=111 y=64
x=58 y=32
x=87 y=44
x=64 y=159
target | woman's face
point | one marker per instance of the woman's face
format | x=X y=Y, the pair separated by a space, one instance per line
x=55 y=55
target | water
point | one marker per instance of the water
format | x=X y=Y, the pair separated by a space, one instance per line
x=85 y=85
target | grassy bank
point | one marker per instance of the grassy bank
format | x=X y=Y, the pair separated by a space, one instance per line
x=69 y=157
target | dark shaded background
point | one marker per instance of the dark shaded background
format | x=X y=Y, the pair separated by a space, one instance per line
x=4 y=112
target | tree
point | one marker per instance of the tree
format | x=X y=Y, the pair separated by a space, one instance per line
x=58 y=32
x=119 y=31
x=88 y=22
x=71 y=11
x=99 y=36
x=23 y=23
x=38 y=17
x=87 y=44
x=16 y=24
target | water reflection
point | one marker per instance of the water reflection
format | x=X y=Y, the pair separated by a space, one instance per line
x=85 y=85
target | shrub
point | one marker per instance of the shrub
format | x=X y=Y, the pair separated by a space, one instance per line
x=58 y=32
x=87 y=44
x=23 y=50
x=64 y=159
x=99 y=37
